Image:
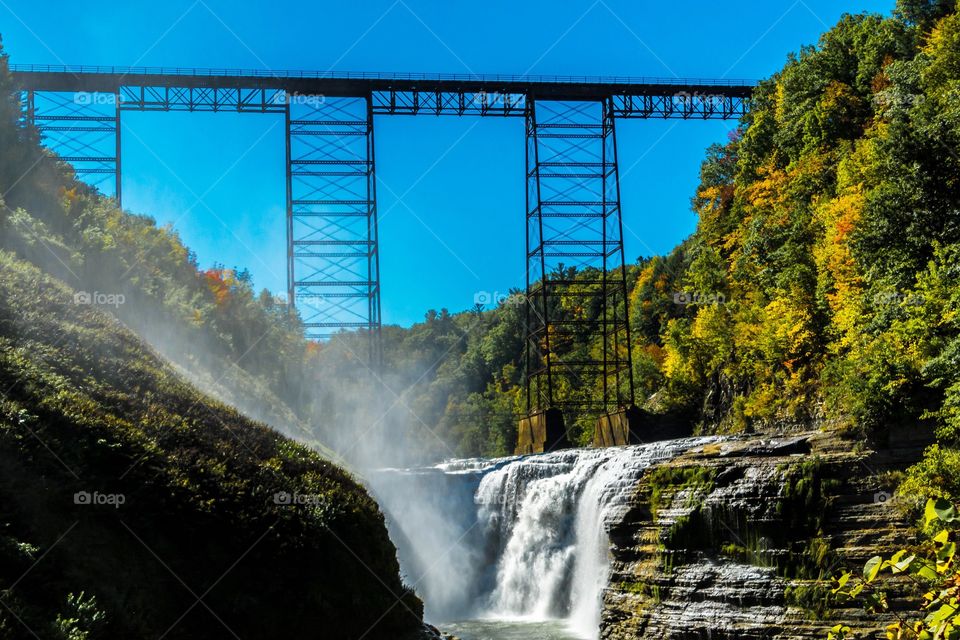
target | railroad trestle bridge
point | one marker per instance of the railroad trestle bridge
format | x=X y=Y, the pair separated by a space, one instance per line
x=573 y=214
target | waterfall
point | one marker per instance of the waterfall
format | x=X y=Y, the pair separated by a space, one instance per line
x=515 y=538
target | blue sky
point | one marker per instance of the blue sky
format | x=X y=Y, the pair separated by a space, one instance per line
x=450 y=190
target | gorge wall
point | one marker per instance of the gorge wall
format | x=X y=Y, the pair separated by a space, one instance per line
x=728 y=540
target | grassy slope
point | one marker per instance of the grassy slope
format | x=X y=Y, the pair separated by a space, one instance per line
x=87 y=407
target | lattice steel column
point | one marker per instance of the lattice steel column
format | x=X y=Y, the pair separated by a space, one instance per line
x=333 y=257
x=576 y=278
x=83 y=129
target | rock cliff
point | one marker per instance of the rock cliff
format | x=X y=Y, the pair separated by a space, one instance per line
x=730 y=539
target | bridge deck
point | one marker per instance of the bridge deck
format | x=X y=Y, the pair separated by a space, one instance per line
x=110 y=79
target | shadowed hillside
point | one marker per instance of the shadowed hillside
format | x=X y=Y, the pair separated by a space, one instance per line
x=126 y=496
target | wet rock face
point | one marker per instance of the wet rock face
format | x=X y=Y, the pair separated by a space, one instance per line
x=729 y=540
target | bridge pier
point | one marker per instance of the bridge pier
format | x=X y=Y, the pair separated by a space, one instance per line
x=576 y=276
x=541 y=431
x=84 y=129
x=618 y=428
x=333 y=258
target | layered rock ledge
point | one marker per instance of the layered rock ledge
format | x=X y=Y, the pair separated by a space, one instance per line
x=734 y=540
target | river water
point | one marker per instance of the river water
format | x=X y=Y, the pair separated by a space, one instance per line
x=507 y=630
x=514 y=548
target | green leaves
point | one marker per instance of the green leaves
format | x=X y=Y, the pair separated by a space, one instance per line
x=939 y=510
x=934 y=566
x=872 y=568
x=898 y=563
x=842 y=581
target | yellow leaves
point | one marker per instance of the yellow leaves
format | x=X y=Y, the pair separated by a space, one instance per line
x=872 y=568
x=780 y=102
x=712 y=332
x=839 y=275
x=177 y=251
x=942 y=615
x=943 y=49
x=769 y=190
x=639 y=296
x=764 y=401
x=860 y=168
x=786 y=333
x=645 y=276
x=712 y=201
x=939 y=510
x=840 y=217
x=838 y=632
x=733 y=240
x=663 y=283
x=838 y=115
x=764 y=209
x=69 y=197
x=842 y=581
x=675 y=361
x=805 y=175
x=894 y=631
x=943 y=41
x=900 y=561
x=838 y=98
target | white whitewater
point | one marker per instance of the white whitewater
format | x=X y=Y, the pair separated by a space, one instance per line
x=515 y=538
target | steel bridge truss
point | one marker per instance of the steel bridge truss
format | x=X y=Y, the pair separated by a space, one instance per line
x=573 y=202
x=84 y=130
x=686 y=105
x=576 y=277
x=333 y=269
